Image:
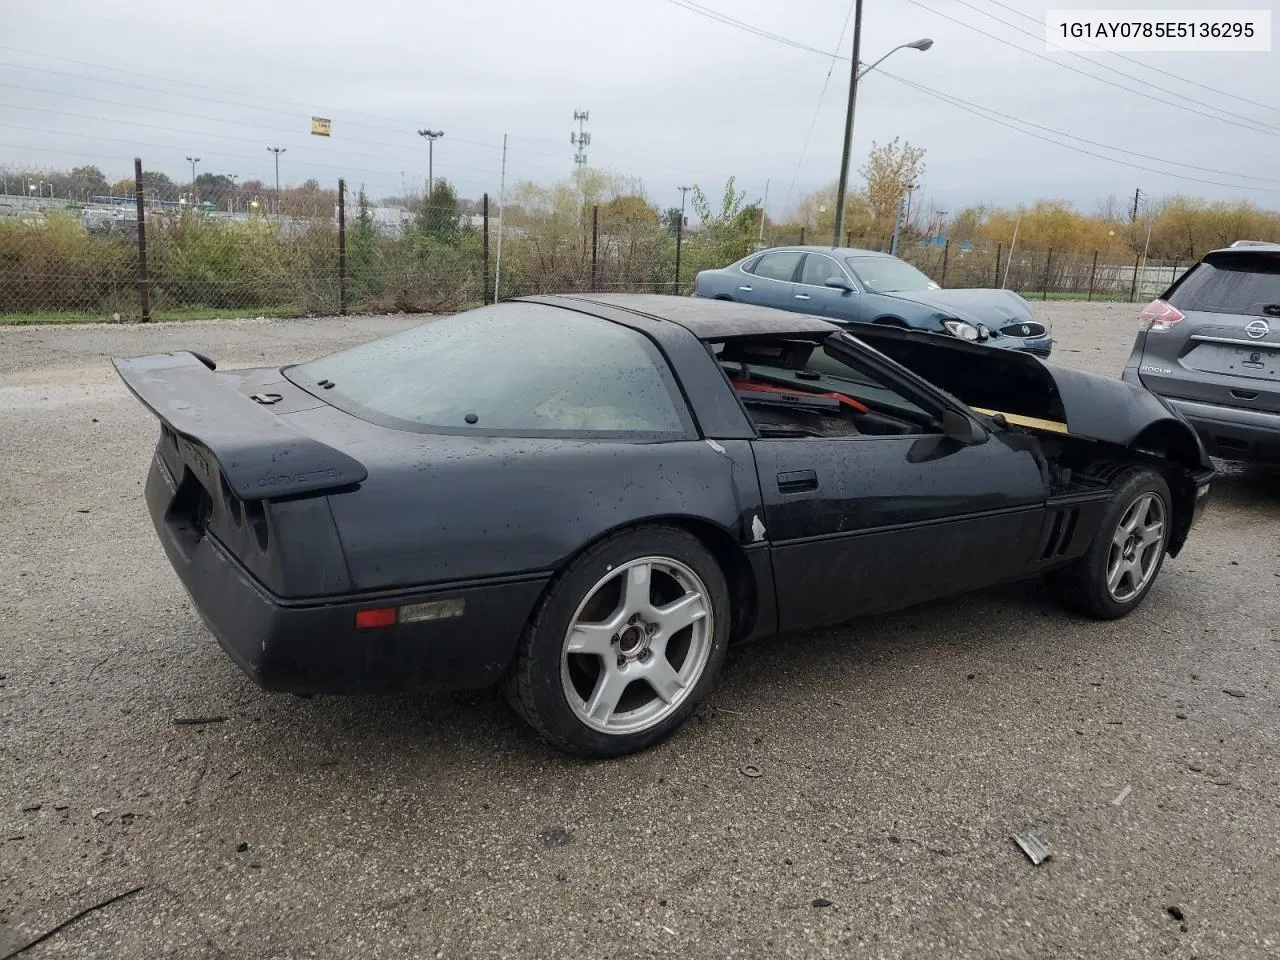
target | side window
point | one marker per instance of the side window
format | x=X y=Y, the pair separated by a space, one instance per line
x=818 y=269
x=778 y=266
x=750 y=265
x=796 y=389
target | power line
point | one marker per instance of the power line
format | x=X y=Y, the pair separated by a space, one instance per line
x=1252 y=125
x=1147 y=66
x=817 y=110
x=979 y=111
x=966 y=105
x=1127 y=76
x=748 y=28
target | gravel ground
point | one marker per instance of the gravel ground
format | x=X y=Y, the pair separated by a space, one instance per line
x=897 y=755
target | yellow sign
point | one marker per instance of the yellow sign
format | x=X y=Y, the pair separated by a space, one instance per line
x=319 y=126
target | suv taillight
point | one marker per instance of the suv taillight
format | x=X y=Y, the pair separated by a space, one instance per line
x=1158 y=316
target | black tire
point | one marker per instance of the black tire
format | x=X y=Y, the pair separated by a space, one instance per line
x=533 y=685
x=1082 y=585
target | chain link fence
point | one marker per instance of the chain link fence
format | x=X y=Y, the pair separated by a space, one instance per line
x=315 y=251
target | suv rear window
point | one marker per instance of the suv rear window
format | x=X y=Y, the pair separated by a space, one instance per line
x=1238 y=283
x=514 y=369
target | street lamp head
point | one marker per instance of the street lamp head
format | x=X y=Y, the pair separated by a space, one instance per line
x=922 y=44
x=431 y=134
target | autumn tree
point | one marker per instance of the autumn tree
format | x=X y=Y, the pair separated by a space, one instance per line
x=890 y=171
x=817 y=214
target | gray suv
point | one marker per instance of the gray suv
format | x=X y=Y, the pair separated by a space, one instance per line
x=1211 y=348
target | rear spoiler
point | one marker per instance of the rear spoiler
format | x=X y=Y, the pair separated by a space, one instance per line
x=260 y=455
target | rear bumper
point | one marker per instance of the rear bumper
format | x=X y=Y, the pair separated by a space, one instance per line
x=313 y=646
x=1231 y=433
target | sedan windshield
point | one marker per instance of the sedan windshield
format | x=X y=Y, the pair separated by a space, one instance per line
x=888 y=275
x=517 y=369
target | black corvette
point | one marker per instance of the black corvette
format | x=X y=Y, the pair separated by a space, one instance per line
x=587 y=498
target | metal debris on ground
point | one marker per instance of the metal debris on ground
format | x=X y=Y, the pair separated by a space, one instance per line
x=822 y=902
x=1233 y=693
x=1037 y=850
x=750 y=770
x=196 y=721
x=1122 y=796
x=30 y=807
x=556 y=837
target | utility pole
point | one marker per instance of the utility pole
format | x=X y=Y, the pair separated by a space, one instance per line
x=843 y=187
x=581 y=138
x=277 y=151
x=431 y=137
x=1137 y=196
x=193 y=161
x=683 y=192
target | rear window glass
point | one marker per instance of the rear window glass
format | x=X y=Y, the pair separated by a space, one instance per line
x=521 y=369
x=1246 y=284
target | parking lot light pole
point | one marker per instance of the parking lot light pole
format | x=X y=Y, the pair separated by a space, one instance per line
x=193 y=161
x=431 y=137
x=277 y=151
x=856 y=73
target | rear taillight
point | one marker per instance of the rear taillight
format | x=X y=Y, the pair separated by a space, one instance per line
x=1158 y=316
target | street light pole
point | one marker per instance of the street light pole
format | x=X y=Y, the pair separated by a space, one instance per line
x=431 y=137
x=856 y=74
x=231 y=202
x=277 y=151
x=195 y=198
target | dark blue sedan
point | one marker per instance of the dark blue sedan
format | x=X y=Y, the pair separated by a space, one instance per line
x=848 y=285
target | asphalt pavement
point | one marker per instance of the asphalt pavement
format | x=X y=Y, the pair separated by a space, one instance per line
x=895 y=756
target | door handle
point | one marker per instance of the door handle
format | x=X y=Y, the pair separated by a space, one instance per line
x=803 y=296
x=748 y=289
x=797 y=481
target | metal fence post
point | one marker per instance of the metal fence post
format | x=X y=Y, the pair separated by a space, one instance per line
x=1173 y=278
x=802 y=236
x=679 y=243
x=1093 y=274
x=999 y=249
x=144 y=281
x=1133 y=290
x=485 y=268
x=946 y=255
x=342 y=246
x=595 y=239
x=1047 y=260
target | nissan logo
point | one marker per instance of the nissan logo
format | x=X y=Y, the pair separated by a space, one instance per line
x=1257 y=329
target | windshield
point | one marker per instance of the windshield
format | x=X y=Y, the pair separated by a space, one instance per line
x=521 y=369
x=888 y=275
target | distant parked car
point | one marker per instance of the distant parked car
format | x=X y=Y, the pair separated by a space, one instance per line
x=1211 y=347
x=847 y=285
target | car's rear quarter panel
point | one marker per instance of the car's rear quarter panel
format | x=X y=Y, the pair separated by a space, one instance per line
x=439 y=508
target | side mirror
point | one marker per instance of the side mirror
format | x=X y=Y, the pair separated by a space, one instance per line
x=839 y=283
x=958 y=427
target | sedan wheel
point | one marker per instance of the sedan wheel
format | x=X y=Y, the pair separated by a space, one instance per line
x=626 y=642
x=1126 y=554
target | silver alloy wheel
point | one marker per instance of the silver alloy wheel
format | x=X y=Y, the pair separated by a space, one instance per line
x=1136 y=547
x=637 y=645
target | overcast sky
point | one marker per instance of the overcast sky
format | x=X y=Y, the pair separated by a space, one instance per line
x=674 y=97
